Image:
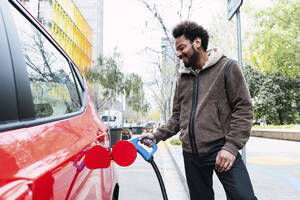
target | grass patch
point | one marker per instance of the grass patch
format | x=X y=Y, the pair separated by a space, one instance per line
x=175 y=142
x=291 y=126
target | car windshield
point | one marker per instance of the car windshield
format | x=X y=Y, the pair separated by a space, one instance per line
x=111 y=118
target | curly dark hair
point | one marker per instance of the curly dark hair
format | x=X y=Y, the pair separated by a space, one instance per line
x=191 y=31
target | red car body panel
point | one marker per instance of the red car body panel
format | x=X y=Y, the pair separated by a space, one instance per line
x=18 y=190
x=48 y=158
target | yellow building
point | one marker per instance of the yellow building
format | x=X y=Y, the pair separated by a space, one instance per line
x=67 y=26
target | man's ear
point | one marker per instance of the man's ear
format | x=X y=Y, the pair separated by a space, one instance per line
x=197 y=43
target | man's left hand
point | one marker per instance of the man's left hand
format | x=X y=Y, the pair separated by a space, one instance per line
x=224 y=161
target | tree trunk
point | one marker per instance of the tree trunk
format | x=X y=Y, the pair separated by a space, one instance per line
x=280 y=117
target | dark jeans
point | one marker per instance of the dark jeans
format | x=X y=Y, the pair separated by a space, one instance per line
x=199 y=170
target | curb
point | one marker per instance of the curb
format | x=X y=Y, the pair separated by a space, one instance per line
x=180 y=172
x=281 y=134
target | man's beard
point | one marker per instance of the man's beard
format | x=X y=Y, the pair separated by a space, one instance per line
x=193 y=59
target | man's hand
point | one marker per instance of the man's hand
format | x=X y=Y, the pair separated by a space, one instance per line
x=224 y=161
x=150 y=136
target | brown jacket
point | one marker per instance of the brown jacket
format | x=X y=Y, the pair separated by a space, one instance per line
x=205 y=113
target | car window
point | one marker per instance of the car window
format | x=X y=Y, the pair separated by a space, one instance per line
x=105 y=118
x=52 y=84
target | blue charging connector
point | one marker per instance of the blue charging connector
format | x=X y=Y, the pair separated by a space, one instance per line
x=145 y=154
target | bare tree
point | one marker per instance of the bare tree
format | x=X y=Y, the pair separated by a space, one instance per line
x=164 y=82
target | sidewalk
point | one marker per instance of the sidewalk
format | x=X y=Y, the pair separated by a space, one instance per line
x=175 y=152
x=273 y=166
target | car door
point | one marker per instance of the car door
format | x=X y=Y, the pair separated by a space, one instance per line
x=56 y=127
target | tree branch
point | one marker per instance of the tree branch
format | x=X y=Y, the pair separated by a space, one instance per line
x=189 y=9
x=156 y=51
x=180 y=11
x=160 y=20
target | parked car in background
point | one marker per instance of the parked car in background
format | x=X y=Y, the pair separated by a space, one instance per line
x=148 y=127
x=48 y=120
x=137 y=130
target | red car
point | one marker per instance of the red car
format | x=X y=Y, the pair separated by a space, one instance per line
x=48 y=120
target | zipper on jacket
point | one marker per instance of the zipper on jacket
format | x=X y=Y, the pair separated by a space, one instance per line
x=196 y=86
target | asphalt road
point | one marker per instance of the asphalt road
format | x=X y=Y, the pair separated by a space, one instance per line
x=274 y=166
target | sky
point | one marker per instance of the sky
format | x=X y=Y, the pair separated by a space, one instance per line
x=129 y=26
x=125 y=28
x=122 y=29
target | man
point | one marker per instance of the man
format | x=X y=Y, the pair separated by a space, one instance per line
x=212 y=109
